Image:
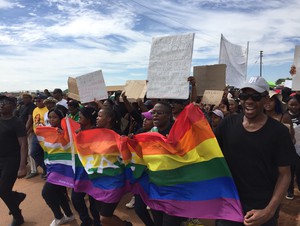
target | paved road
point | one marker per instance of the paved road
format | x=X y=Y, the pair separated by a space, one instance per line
x=37 y=213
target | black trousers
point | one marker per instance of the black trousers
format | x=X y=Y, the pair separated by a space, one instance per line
x=8 y=174
x=56 y=198
x=141 y=210
x=80 y=206
x=163 y=219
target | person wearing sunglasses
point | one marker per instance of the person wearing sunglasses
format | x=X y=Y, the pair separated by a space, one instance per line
x=13 y=154
x=259 y=151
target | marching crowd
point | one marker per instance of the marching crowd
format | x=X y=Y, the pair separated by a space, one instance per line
x=254 y=127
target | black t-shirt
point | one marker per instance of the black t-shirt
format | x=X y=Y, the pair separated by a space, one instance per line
x=254 y=157
x=25 y=111
x=10 y=130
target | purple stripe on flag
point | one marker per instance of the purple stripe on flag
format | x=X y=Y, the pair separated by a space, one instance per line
x=107 y=196
x=221 y=208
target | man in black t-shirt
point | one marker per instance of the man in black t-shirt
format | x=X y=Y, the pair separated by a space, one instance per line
x=13 y=152
x=259 y=152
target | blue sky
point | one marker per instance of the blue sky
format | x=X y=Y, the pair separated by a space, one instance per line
x=43 y=42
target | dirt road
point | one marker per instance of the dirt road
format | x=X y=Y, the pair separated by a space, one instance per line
x=37 y=213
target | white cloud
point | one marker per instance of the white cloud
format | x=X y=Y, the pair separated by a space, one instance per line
x=57 y=38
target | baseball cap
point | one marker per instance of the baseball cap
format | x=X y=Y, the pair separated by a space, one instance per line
x=218 y=112
x=148 y=115
x=41 y=96
x=259 y=84
x=11 y=100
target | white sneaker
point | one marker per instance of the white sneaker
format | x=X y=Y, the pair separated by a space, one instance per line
x=130 y=205
x=63 y=220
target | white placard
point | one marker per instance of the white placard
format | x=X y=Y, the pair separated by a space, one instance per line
x=288 y=83
x=296 y=77
x=170 y=66
x=91 y=86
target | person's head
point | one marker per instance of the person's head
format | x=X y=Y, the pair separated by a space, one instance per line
x=108 y=118
x=161 y=115
x=87 y=117
x=253 y=96
x=216 y=117
x=177 y=106
x=50 y=103
x=73 y=107
x=55 y=116
x=58 y=94
x=273 y=104
x=293 y=105
x=233 y=106
x=26 y=98
x=7 y=105
x=108 y=103
x=39 y=100
x=147 y=120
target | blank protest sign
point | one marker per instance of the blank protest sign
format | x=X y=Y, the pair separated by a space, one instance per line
x=170 y=66
x=91 y=86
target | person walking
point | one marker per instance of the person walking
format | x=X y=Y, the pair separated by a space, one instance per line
x=13 y=155
x=259 y=151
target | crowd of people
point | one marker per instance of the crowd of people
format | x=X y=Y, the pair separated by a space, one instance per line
x=254 y=128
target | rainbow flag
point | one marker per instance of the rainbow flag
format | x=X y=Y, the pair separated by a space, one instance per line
x=100 y=171
x=184 y=174
x=57 y=155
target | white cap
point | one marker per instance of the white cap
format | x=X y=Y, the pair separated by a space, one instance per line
x=218 y=112
x=259 y=84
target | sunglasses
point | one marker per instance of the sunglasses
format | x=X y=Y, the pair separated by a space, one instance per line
x=253 y=96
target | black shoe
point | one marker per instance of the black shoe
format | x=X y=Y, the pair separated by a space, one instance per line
x=127 y=223
x=20 y=196
x=17 y=221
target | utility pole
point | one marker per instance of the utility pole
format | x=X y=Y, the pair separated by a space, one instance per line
x=261 y=56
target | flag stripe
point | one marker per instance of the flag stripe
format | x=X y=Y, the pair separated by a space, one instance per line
x=190 y=173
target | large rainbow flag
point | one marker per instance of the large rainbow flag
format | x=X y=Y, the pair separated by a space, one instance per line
x=184 y=174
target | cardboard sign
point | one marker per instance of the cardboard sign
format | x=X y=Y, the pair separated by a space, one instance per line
x=170 y=66
x=114 y=88
x=212 y=97
x=91 y=86
x=73 y=89
x=210 y=77
x=135 y=89
x=296 y=77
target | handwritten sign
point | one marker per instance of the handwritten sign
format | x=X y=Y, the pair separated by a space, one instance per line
x=135 y=89
x=73 y=89
x=91 y=86
x=210 y=77
x=296 y=77
x=212 y=97
x=169 y=67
